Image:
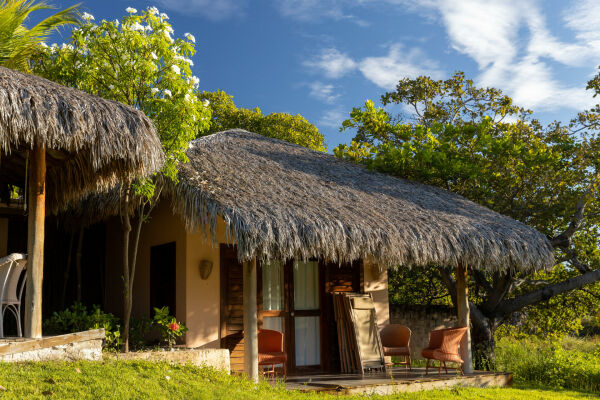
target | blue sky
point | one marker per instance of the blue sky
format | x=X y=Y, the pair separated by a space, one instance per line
x=320 y=58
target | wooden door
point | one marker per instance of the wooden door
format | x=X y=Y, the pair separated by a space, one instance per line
x=232 y=304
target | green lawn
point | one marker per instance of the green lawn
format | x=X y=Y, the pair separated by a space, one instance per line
x=142 y=380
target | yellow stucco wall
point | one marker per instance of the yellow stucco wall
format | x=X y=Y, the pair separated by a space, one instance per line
x=203 y=296
x=376 y=283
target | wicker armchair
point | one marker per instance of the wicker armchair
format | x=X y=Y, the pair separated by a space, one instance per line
x=443 y=347
x=270 y=350
x=11 y=288
x=395 y=340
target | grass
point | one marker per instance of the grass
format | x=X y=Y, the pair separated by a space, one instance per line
x=568 y=363
x=142 y=380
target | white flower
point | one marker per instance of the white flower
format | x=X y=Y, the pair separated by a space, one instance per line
x=195 y=81
x=188 y=98
x=148 y=28
x=164 y=16
x=153 y=10
x=205 y=103
x=111 y=87
x=175 y=69
x=153 y=55
x=167 y=92
x=130 y=10
x=168 y=36
x=116 y=23
x=44 y=45
x=66 y=47
x=87 y=17
x=169 y=29
x=136 y=26
x=167 y=377
x=190 y=37
x=154 y=90
x=190 y=62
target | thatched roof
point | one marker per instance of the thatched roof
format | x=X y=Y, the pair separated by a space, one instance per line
x=280 y=200
x=91 y=143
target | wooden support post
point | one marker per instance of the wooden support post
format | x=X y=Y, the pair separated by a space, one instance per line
x=462 y=305
x=35 y=242
x=250 y=321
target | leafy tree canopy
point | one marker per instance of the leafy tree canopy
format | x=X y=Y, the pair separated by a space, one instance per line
x=291 y=128
x=136 y=61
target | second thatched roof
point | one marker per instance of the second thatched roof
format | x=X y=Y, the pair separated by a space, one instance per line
x=280 y=200
x=91 y=143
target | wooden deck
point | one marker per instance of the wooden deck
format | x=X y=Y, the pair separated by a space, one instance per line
x=398 y=380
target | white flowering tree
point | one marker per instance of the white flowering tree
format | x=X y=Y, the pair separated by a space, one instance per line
x=139 y=62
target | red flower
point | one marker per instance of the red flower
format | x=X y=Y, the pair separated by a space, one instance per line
x=174 y=326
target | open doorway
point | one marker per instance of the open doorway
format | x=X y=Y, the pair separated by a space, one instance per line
x=162 y=277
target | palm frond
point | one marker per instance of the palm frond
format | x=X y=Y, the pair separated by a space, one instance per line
x=17 y=42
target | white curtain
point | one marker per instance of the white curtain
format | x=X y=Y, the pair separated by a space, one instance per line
x=306 y=285
x=306 y=297
x=272 y=286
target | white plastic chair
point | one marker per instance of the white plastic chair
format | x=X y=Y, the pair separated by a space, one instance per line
x=11 y=292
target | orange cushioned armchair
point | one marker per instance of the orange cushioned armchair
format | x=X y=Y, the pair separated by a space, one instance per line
x=270 y=350
x=395 y=340
x=443 y=347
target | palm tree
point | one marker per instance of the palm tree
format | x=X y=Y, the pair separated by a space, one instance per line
x=17 y=42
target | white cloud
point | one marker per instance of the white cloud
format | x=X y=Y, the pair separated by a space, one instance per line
x=386 y=71
x=514 y=48
x=332 y=62
x=215 y=10
x=584 y=18
x=323 y=92
x=333 y=118
x=317 y=10
x=511 y=41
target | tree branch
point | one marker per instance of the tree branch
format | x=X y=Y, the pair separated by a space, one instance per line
x=511 y=305
x=564 y=239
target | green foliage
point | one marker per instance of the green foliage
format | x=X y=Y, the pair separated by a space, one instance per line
x=147 y=380
x=139 y=328
x=566 y=363
x=17 y=42
x=291 y=128
x=170 y=329
x=414 y=286
x=77 y=318
x=135 y=61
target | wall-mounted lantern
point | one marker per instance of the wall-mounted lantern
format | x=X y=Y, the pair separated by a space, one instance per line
x=205 y=269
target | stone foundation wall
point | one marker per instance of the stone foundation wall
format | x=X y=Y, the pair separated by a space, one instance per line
x=216 y=358
x=70 y=347
x=88 y=350
x=421 y=320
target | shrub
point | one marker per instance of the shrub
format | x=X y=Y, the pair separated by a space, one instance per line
x=558 y=363
x=169 y=328
x=138 y=331
x=77 y=318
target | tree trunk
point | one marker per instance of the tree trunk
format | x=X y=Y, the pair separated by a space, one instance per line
x=129 y=262
x=483 y=345
x=126 y=224
x=78 y=262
